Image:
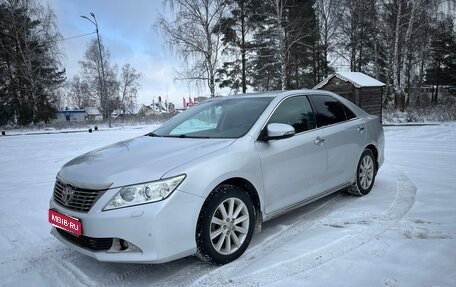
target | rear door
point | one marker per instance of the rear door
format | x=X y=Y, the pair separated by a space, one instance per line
x=293 y=168
x=344 y=135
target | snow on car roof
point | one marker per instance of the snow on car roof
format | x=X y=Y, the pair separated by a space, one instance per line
x=358 y=79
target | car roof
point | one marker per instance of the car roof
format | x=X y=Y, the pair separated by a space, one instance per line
x=278 y=94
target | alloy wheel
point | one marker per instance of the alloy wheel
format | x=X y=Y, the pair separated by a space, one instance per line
x=366 y=172
x=229 y=226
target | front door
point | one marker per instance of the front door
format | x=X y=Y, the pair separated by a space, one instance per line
x=293 y=168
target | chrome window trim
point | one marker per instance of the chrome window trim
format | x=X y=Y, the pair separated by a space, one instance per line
x=313 y=111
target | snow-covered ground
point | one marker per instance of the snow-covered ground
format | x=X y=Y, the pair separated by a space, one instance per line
x=402 y=234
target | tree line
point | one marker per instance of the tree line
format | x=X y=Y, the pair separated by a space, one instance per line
x=266 y=45
x=33 y=81
x=239 y=45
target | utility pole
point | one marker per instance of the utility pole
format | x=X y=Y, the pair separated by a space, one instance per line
x=103 y=80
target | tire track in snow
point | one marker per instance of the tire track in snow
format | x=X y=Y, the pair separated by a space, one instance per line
x=52 y=268
x=186 y=272
x=42 y=258
x=403 y=202
x=200 y=270
x=222 y=275
x=177 y=271
x=15 y=234
x=45 y=258
x=24 y=253
x=134 y=271
x=143 y=272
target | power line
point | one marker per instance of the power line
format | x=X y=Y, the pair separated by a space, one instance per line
x=79 y=36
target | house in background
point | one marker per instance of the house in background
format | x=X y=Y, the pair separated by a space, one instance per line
x=131 y=112
x=145 y=110
x=117 y=113
x=71 y=115
x=159 y=107
x=79 y=115
x=361 y=89
x=93 y=114
x=156 y=108
x=192 y=102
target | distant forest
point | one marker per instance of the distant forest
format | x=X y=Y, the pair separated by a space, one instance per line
x=292 y=44
x=239 y=46
x=33 y=82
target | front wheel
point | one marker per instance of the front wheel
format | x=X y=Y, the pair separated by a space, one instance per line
x=225 y=225
x=365 y=174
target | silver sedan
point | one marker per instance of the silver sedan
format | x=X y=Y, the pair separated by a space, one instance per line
x=205 y=180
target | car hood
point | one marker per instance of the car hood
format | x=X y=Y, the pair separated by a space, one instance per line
x=137 y=160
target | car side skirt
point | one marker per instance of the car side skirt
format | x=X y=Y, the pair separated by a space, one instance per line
x=305 y=202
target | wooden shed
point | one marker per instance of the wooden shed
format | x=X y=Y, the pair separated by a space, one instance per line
x=359 y=88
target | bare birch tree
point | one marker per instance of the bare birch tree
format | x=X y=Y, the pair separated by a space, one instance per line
x=91 y=74
x=328 y=12
x=78 y=96
x=85 y=89
x=406 y=27
x=195 y=35
x=128 y=88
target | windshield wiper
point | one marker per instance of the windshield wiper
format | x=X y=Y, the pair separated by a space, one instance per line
x=152 y=134
x=188 y=137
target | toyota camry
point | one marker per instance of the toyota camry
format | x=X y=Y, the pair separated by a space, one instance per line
x=204 y=181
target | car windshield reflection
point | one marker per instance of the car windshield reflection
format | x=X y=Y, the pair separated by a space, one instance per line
x=219 y=118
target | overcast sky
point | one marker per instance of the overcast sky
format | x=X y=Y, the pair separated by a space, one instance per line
x=126 y=29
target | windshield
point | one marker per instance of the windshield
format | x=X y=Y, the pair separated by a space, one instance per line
x=220 y=118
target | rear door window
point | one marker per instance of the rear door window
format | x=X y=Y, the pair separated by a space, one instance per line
x=329 y=111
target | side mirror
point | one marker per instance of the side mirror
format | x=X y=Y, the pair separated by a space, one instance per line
x=279 y=131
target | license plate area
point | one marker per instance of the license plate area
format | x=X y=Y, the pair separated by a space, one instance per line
x=65 y=222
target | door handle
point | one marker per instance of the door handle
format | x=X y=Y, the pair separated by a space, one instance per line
x=360 y=129
x=319 y=140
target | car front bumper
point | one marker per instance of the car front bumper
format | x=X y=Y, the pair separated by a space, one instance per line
x=162 y=231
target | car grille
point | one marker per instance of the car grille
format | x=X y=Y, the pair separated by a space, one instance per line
x=77 y=199
x=95 y=244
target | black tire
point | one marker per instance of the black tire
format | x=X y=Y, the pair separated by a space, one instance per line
x=365 y=174
x=223 y=248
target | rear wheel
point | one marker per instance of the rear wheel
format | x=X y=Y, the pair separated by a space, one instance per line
x=225 y=225
x=365 y=174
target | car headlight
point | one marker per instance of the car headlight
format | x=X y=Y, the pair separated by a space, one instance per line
x=144 y=193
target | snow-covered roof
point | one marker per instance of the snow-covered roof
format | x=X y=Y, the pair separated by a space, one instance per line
x=71 y=111
x=92 y=111
x=358 y=79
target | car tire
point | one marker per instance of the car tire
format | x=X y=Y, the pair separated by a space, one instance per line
x=225 y=225
x=365 y=174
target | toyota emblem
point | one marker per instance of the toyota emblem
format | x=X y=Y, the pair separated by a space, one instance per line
x=67 y=195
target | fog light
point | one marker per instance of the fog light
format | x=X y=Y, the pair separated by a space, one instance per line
x=123 y=244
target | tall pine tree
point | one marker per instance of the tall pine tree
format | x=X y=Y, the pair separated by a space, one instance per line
x=288 y=55
x=307 y=65
x=442 y=69
x=237 y=27
x=30 y=68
